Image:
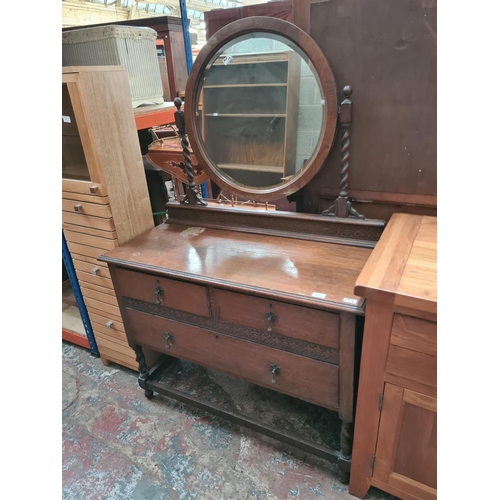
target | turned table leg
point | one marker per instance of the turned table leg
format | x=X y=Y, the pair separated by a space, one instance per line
x=143 y=370
x=345 y=450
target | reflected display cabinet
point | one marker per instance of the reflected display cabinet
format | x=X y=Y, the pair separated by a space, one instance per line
x=105 y=200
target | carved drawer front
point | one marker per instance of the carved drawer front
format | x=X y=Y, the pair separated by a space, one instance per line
x=297 y=376
x=166 y=292
x=310 y=325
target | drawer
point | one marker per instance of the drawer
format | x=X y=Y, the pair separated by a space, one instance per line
x=310 y=325
x=107 y=322
x=88 y=221
x=110 y=235
x=84 y=277
x=415 y=334
x=78 y=249
x=88 y=267
x=89 y=240
x=167 y=292
x=301 y=377
x=89 y=198
x=84 y=187
x=84 y=208
x=412 y=365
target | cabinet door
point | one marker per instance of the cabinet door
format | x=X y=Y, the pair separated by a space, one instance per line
x=80 y=172
x=406 y=454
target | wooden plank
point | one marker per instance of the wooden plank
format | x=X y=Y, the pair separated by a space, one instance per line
x=87 y=267
x=84 y=187
x=98 y=288
x=415 y=334
x=109 y=314
x=421 y=400
x=84 y=277
x=389 y=431
x=346 y=362
x=103 y=297
x=110 y=235
x=110 y=343
x=102 y=320
x=118 y=358
x=88 y=198
x=91 y=241
x=113 y=337
x=393 y=491
x=382 y=273
x=371 y=385
x=84 y=208
x=103 y=307
x=88 y=221
x=411 y=489
x=412 y=365
x=119 y=152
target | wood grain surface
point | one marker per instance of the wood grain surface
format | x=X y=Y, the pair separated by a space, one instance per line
x=315 y=274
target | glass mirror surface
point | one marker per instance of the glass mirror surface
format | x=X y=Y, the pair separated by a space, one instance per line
x=260 y=110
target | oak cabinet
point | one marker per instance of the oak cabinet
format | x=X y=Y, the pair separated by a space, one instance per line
x=105 y=200
x=395 y=434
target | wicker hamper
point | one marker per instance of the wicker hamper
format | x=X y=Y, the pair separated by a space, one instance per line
x=128 y=46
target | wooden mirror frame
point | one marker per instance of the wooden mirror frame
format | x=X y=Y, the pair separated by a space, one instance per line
x=326 y=80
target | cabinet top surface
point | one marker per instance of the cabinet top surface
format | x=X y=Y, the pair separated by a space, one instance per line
x=313 y=273
x=403 y=265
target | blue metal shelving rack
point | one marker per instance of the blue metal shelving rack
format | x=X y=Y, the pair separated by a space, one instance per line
x=73 y=280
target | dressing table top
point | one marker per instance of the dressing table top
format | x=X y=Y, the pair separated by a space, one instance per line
x=311 y=273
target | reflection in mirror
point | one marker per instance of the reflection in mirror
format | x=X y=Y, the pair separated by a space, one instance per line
x=261 y=110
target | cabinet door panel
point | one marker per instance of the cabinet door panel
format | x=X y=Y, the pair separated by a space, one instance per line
x=406 y=455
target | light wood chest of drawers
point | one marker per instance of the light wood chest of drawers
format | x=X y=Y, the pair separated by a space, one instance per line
x=105 y=200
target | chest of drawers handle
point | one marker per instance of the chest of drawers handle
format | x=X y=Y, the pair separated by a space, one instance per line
x=159 y=294
x=78 y=208
x=275 y=369
x=168 y=338
x=109 y=324
x=270 y=316
x=95 y=271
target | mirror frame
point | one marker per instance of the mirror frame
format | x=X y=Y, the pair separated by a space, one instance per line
x=326 y=81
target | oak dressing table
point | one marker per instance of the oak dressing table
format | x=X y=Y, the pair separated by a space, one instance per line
x=262 y=295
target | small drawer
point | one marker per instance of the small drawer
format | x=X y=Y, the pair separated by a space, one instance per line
x=91 y=241
x=310 y=325
x=88 y=221
x=297 y=376
x=415 y=334
x=84 y=208
x=412 y=365
x=166 y=292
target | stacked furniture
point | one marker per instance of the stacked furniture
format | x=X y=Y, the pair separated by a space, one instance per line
x=105 y=200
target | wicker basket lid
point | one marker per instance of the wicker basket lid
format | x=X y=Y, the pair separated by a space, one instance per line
x=97 y=33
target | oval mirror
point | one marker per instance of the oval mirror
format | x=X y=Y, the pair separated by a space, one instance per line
x=261 y=108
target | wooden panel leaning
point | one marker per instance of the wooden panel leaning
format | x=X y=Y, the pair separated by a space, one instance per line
x=105 y=200
x=394 y=446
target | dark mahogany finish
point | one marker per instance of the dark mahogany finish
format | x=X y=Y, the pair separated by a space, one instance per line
x=276 y=311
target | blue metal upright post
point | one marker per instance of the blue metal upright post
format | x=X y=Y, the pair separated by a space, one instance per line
x=185 y=32
x=189 y=59
x=73 y=281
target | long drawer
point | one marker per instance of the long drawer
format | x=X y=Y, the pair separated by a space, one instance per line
x=304 y=378
x=310 y=325
x=170 y=293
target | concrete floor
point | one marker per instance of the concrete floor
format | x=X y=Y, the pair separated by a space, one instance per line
x=117 y=445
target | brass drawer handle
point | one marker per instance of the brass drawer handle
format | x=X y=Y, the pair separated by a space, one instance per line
x=168 y=338
x=159 y=294
x=78 y=208
x=270 y=318
x=94 y=271
x=275 y=369
x=109 y=324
